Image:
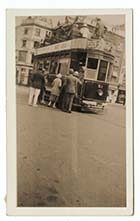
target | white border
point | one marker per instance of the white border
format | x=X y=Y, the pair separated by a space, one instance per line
x=11 y=117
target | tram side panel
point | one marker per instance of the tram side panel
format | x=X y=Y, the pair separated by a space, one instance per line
x=97 y=71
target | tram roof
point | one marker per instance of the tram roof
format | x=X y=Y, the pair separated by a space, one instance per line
x=74 y=44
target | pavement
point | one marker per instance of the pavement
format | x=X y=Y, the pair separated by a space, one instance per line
x=70 y=160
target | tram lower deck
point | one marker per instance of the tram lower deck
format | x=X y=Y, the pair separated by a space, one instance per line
x=94 y=66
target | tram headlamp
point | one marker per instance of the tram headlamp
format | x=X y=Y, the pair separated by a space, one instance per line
x=100 y=92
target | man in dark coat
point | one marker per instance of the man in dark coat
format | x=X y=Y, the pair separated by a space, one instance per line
x=37 y=81
x=70 y=90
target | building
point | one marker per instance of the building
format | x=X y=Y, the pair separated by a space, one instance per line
x=122 y=84
x=29 y=35
x=118 y=73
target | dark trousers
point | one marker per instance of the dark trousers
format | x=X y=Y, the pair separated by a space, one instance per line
x=42 y=91
x=68 y=101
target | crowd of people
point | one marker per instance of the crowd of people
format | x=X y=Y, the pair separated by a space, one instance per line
x=72 y=30
x=66 y=88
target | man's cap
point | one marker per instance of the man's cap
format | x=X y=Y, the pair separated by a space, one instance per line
x=84 y=25
x=71 y=70
x=76 y=74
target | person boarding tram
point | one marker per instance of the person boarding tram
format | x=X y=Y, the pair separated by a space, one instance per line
x=55 y=91
x=70 y=84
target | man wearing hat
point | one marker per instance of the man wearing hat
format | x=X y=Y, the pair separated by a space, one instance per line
x=41 y=98
x=37 y=81
x=55 y=91
x=85 y=31
x=75 y=32
x=70 y=89
x=100 y=28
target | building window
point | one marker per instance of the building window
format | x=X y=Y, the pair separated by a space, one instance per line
x=32 y=58
x=24 y=42
x=22 y=75
x=22 y=56
x=92 y=63
x=36 y=44
x=37 y=32
x=26 y=31
x=23 y=70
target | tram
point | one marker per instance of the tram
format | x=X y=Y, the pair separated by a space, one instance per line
x=91 y=58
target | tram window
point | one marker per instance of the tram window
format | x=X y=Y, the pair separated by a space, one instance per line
x=110 y=72
x=92 y=63
x=46 y=64
x=40 y=65
x=59 y=67
x=77 y=60
x=102 y=70
x=53 y=67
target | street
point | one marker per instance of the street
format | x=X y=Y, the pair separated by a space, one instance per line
x=70 y=160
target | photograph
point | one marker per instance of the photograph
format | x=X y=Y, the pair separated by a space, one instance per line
x=71 y=79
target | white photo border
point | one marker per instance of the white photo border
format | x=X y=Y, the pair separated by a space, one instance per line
x=12 y=208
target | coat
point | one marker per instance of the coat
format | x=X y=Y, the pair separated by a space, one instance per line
x=71 y=83
x=56 y=85
x=37 y=80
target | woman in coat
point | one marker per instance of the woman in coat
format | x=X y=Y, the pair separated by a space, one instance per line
x=55 y=91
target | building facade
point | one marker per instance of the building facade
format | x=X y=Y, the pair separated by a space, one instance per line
x=115 y=80
x=29 y=35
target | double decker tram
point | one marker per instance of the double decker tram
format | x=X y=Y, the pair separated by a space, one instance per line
x=94 y=64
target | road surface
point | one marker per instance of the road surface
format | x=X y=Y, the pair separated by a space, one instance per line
x=70 y=160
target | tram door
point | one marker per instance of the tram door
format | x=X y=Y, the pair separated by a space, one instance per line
x=63 y=68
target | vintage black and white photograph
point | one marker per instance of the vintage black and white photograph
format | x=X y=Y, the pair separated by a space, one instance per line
x=71 y=110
